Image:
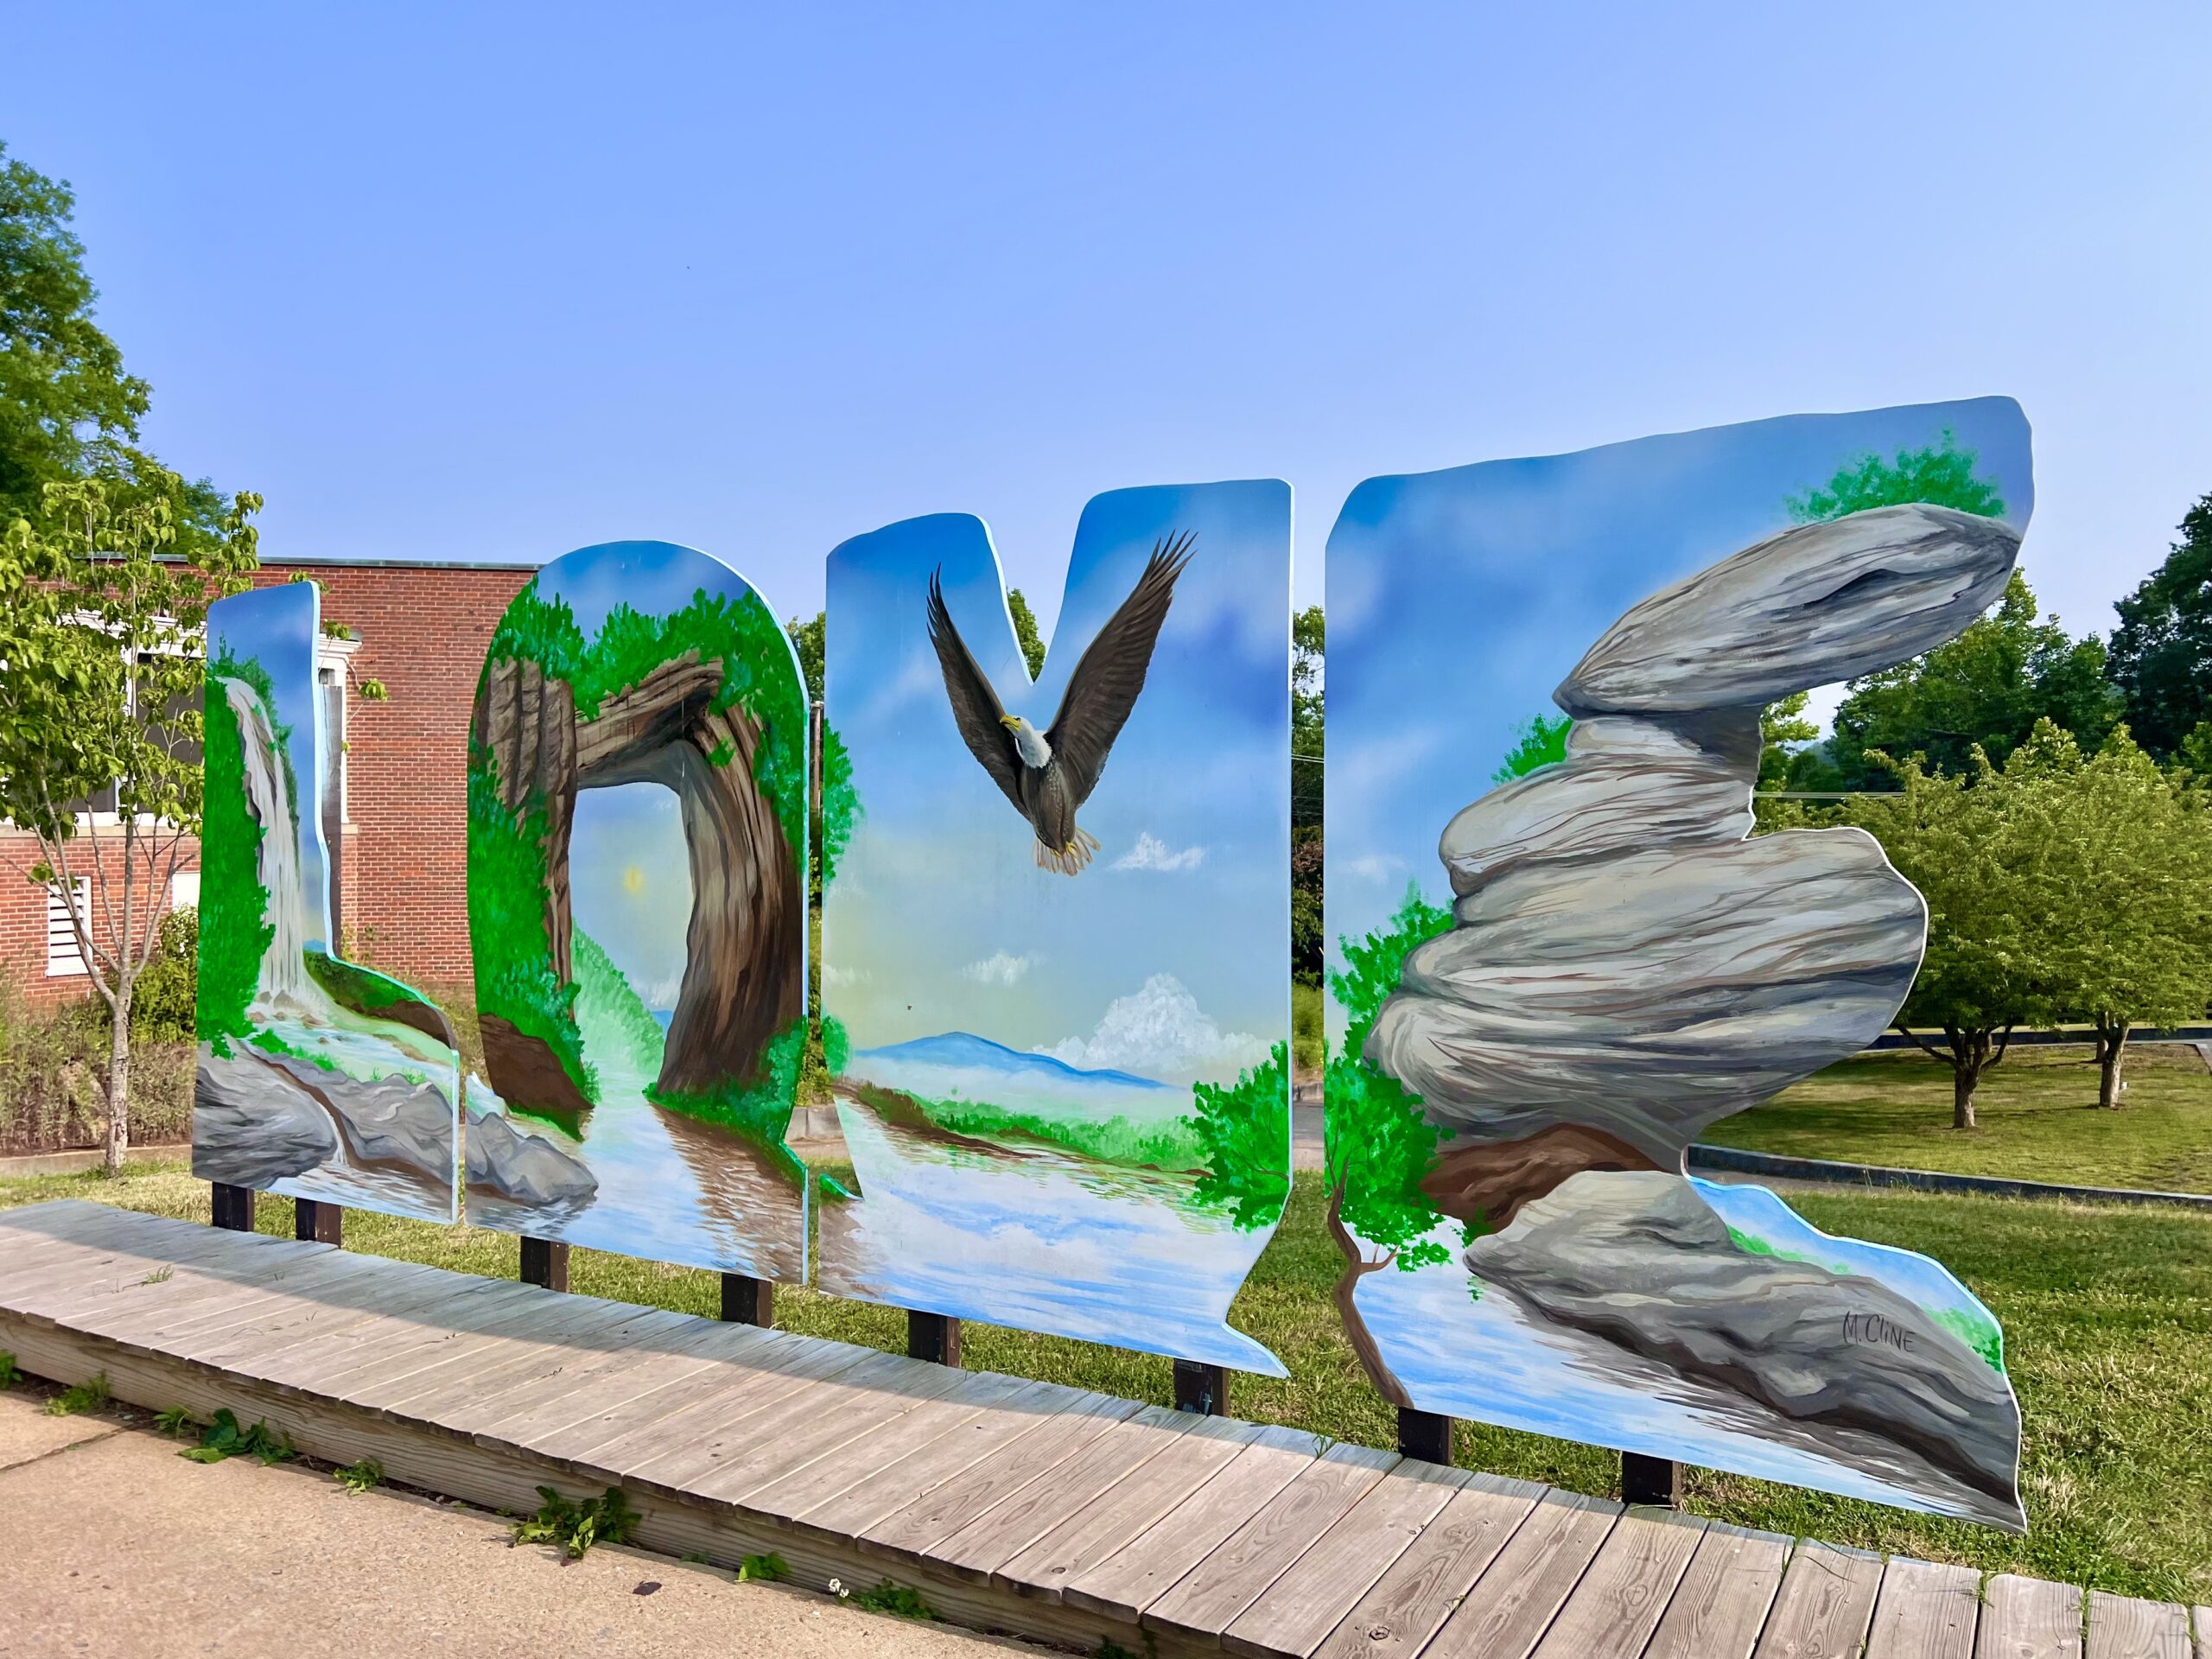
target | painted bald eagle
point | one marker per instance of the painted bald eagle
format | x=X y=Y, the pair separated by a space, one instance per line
x=1048 y=774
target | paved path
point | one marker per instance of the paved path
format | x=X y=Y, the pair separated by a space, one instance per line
x=116 y=1545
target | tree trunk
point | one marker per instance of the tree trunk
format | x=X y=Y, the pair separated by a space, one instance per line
x=1965 y=1077
x=1356 y=1267
x=118 y=1083
x=2112 y=1048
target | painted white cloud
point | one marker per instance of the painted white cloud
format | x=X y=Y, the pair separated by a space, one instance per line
x=837 y=978
x=1377 y=866
x=1153 y=854
x=1160 y=1032
x=1000 y=969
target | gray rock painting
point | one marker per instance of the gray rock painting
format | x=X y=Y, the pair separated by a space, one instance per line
x=1625 y=967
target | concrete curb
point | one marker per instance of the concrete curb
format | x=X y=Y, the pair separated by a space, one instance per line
x=71 y=1162
x=1925 y=1181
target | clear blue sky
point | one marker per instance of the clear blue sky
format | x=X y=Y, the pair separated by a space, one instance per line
x=496 y=283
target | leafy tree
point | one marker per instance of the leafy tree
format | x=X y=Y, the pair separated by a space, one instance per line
x=2161 y=656
x=1781 y=725
x=1543 y=743
x=1308 y=652
x=100 y=678
x=2126 y=918
x=1942 y=474
x=810 y=641
x=1984 y=688
x=1958 y=839
x=1378 y=1144
x=1306 y=866
x=1025 y=630
x=68 y=409
x=1243 y=1128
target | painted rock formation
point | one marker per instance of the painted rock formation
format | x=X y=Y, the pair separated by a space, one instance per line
x=1624 y=960
x=1625 y=967
x=250 y=1127
x=526 y=1167
x=1642 y=1261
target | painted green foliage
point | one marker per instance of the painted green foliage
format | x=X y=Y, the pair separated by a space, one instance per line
x=1543 y=743
x=1379 y=1145
x=234 y=925
x=1942 y=474
x=1244 y=1134
x=515 y=975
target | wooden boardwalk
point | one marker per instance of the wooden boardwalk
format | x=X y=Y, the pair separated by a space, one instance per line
x=1071 y=1518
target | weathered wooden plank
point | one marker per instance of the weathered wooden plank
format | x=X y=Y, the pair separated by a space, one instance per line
x=685 y=1415
x=1924 y=1610
x=1145 y=1568
x=2027 y=1618
x=928 y=1464
x=389 y=1329
x=1001 y=1534
x=32 y=1259
x=103 y=1281
x=753 y=1413
x=905 y=1534
x=1825 y=1605
x=328 y=1293
x=1209 y=1597
x=406 y=1347
x=190 y=1318
x=584 y=1383
x=1721 y=1605
x=2121 y=1627
x=1616 y=1608
x=1297 y=1611
x=1511 y=1606
x=834 y=1472
x=591 y=1326
x=1410 y=1602
x=616 y=1394
x=814 y=1427
x=1092 y=1533
x=2201 y=1618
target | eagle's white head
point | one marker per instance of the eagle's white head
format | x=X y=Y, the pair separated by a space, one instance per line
x=1028 y=741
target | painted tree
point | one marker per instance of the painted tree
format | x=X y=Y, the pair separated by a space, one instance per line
x=1243 y=1128
x=2125 y=913
x=103 y=606
x=1378 y=1143
x=1958 y=839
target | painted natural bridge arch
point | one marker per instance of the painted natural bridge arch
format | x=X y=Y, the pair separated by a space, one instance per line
x=673 y=726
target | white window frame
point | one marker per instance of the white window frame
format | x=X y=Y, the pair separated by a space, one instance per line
x=63 y=959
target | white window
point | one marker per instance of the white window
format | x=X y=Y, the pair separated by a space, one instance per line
x=62 y=956
x=184 y=890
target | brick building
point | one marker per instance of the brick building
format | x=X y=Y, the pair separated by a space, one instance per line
x=400 y=781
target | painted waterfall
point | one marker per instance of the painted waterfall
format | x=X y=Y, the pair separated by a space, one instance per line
x=636 y=908
x=1560 y=951
x=318 y=1078
x=1056 y=923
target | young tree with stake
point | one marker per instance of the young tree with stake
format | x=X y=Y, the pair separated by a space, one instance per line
x=102 y=613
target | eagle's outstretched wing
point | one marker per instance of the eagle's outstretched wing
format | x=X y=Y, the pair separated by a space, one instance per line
x=975 y=706
x=1104 y=686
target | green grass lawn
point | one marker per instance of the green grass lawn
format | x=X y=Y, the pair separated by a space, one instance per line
x=2038 y=1119
x=2106 y=1312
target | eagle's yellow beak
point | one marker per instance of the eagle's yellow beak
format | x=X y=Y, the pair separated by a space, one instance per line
x=1010 y=720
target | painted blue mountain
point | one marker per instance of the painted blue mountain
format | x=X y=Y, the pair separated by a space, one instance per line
x=961 y=1051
